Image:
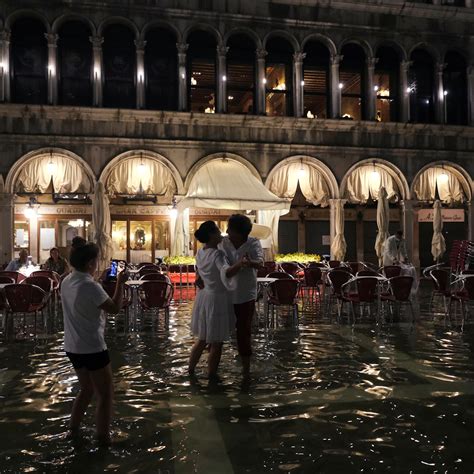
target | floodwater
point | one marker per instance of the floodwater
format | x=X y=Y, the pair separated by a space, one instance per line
x=324 y=397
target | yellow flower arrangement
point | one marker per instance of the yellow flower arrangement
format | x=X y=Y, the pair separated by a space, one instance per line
x=297 y=257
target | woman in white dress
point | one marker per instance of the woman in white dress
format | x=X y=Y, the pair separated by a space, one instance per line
x=213 y=318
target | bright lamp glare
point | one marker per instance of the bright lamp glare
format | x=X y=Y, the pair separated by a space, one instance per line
x=30 y=212
x=174 y=213
x=301 y=172
x=443 y=177
x=375 y=175
x=142 y=169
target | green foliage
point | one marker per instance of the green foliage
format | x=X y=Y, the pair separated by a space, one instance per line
x=179 y=260
x=298 y=257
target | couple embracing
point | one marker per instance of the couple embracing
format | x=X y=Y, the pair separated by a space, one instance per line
x=227 y=278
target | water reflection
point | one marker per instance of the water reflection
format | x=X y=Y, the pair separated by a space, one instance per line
x=323 y=397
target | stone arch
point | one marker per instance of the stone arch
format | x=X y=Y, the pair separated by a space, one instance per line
x=203 y=27
x=325 y=40
x=368 y=51
x=312 y=161
x=282 y=34
x=216 y=156
x=244 y=31
x=160 y=24
x=458 y=171
x=401 y=51
x=433 y=52
x=60 y=21
x=146 y=154
x=15 y=170
x=26 y=14
x=393 y=170
x=118 y=20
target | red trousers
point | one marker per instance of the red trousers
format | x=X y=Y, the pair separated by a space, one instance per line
x=244 y=313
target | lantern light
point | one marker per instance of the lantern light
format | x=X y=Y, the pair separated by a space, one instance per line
x=375 y=175
x=302 y=170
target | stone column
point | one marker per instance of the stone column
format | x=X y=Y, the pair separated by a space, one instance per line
x=407 y=218
x=334 y=86
x=371 y=94
x=52 y=68
x=182 y=80
x=221 y=89
x=470 y=93
x=404 y=93
x=298 y=83
x=140 y=77
x=5 y=66
x=440 y=111
x=97 y=69
x=260 y=87
x=6 y=227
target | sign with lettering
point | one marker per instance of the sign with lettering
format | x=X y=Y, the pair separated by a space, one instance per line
x=448 y=215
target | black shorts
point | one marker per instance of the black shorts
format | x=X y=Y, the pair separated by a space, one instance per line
x=95 y=361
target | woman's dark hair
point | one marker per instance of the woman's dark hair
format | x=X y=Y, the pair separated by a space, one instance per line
x=240 y=224
x=82 y=252
x=206 y=229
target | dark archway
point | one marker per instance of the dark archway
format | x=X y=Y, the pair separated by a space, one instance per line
x=455 y=87
x=161 y=70
x=316 y=80
x=30 y=62
x=279 y=77
x=119 y=58
x=201 y=75
x=421 y=84
x=75 y=64
x=241 y=75
x=352 y=82
x=387 y=85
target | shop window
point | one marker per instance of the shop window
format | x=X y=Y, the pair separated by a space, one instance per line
x=46 y=239
x=21 y=236
x=140 y=241
x=162 y=238
x=119 y=240
x=387 y=85
x=352 y=79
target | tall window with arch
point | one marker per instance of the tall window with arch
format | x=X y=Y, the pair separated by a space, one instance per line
x=455 y=89
x=387 y=85
x=421 y=87
x=29 y=61
x=279 y=77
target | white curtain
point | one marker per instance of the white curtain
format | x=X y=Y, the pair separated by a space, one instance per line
x=66 y=173
x=102 y=223
x=313 y=185
x=449 y=187
x=438 y=245
x=383 y=217
x=155 y=178
x=2 y=184
x=180 y=233
x=338 y=245
x=365 y=182
x=270 y=219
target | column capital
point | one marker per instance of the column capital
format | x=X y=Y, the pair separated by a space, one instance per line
x=405 y=65
x=96 y=41
x=335 y=201
x=222 y=50
x=140 y=45
x=336 y=59
x=299 y=56
x=52 y=39
x=371 y=62
x=440 y=67
x=182 y=47
x=5 y=36
x=261 y=53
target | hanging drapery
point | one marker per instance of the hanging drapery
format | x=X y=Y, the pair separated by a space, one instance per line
x=66 y=174
x=449 y=188
x=270 y=219
x=140 y=175
x=102 y=224
x=2 y=184
x=228 y=184
x=338 y=245
x=180 y=233
x=438 y=245
x=312 y=184
x=383 y=217
x=364 y=183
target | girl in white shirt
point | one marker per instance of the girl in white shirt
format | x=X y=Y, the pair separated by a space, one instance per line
x=83 y=300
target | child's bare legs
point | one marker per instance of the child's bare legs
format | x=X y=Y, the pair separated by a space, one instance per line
x=104 y=391
x=196 y=352
x=82 y=400
x=214 y=358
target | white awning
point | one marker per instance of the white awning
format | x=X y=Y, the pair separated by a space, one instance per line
x=228 y=184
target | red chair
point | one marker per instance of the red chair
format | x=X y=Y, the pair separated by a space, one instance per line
x=399 y=293
x=283 y=292
x=464 y=295
x=291 y=268
x=266 y=268
x=24 y=299
x=155 y=277
x=442 y=286
x=156 y=295
x=310 y=289
x=109 y=287
x=147 y=271
x=145 y=264
x=45 y=283
x=280 y=276
x=366 y=294
x=6 y=280
x=391 y=271
x=367 y=273
x=3 y=302
x=55 y=277
x=355 y=267
x=334 y=263
x=336 y=279
x=316 y=265
x=17 y=276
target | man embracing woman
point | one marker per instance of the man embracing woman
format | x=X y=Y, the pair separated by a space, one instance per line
x=227 y=278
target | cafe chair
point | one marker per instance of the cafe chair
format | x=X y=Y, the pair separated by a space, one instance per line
x=398 y=294
x=391 y=271
x=442 y=287
x=17 y=276
x=463 y=296
x=336 y=278
x=155 y=296
x=365 y=295
x=283 y=292
x=311 y=287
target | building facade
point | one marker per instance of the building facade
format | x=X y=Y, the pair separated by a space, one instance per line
x=323 y=102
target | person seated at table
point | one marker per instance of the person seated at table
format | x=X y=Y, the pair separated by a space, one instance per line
x=56 y=263
x=17 y=263
x=395 y=250
x=85 y=303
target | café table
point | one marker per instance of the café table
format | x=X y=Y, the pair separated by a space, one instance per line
x=134 y=286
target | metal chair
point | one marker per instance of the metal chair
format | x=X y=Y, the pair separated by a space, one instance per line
x=156 y=295
x=280 y=276
x=391 y=271
x=442 y=286
x=283 y=292
x=155 y=277
x=17 y=276
x=310 y=288
x=336 y=279
x=399 y=293
x=109 y=287
x=366 y=273
x=463 y=296
x=366 y=294
x=291 y=268
x=266 y=268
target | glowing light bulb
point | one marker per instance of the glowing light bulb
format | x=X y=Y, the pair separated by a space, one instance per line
x=30 y=212
x=341 y=85
x=443 y=177
x=51 y=167
x=142 y=169
x=173 y=213
x=301 y=171
x=376 y=88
